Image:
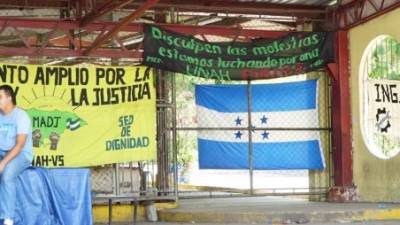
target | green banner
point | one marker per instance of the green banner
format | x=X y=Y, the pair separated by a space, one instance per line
x=296 y=53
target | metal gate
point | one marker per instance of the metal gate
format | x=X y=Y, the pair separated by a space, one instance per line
x=177 y=146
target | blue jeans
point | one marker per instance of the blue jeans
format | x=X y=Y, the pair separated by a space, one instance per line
x=8 y=181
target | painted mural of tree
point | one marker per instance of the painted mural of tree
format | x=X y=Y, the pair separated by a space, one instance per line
x=384 y=60
x=383 y=63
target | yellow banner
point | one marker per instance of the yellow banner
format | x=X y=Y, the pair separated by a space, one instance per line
x=86 y=115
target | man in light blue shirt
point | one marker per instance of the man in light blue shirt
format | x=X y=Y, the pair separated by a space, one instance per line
x=15 y=150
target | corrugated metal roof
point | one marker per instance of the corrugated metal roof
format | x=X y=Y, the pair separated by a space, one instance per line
x=296 y=2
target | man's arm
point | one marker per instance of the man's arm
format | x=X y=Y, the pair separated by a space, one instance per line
x=20 y=142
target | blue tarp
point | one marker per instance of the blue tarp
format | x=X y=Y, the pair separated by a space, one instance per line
x=54 y=197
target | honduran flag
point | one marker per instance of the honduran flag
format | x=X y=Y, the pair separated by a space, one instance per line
x=281 y=105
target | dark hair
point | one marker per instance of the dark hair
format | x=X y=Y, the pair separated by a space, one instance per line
x=10 y=92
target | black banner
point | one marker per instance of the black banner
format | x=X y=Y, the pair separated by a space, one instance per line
x=296 y=53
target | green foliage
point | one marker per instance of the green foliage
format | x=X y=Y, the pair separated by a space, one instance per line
x=384 y=60
x=386 y=143
x=186 y=117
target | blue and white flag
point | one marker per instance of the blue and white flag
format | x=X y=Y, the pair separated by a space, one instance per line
x=291 y=105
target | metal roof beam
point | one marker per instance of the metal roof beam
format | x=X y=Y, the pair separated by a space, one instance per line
x=60 y=48
x=360 y=11
x=104 y=9
x=256 y=8
x=104 y=38
x=138 y=27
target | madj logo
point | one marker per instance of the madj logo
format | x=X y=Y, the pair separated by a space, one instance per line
x=51 y=116
x=380 y=97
